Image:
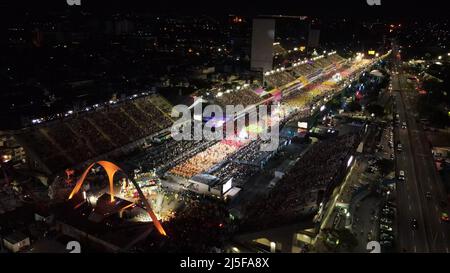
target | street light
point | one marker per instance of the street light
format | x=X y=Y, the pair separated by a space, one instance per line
x=272 y=247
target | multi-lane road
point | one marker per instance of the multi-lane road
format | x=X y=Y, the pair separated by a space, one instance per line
x=416 y=161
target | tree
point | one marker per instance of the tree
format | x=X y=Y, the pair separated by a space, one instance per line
x=347 y=238
x=344 y=238
x=376 y=109
x=354 y=106
x=439 y=118
x=335 y=103
x=386 y=166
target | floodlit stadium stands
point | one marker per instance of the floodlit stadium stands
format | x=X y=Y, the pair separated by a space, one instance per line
x=75 y=139
x=306 y=68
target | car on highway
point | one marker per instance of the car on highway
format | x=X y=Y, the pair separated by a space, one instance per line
x=399 y=147
x=386 y=237
x=414 y=224
x=428 y=195
x=445 y=217
x=390 y=204
x=385 y=227
x=386 y=221
x=387 y=211
x=401 y=175
x=403 y=125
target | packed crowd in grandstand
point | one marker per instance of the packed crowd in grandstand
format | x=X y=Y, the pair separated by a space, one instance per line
x=303 y=70
x=168 y=154
x=205 y=160
x=240 y=173
x=245 y=97
x=200 y=225
x=315 y=171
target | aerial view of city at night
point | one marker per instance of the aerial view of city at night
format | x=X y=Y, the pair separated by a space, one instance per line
x=139 y=131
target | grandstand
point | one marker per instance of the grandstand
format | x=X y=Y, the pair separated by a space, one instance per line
x=318 y=170
x=245 y=96
x=278 y=49
x=307 y=69
x=279 y=78
x=65 y=143
x=206 y=159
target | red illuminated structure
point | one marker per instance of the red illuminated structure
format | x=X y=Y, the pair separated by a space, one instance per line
x=111 y=169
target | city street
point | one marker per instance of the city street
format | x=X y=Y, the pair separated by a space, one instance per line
x=415 y=160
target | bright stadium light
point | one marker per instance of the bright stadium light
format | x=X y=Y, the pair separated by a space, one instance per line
x=350 y=160
x=235 y=249
x=93 y=200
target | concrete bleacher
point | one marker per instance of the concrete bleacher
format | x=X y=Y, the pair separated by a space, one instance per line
x=64 y=143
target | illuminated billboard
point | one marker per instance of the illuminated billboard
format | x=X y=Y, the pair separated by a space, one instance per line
x=371 y=52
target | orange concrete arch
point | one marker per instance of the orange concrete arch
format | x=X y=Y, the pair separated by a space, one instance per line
x=111 y=169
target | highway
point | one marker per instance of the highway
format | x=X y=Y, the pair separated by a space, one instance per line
x=416 y=161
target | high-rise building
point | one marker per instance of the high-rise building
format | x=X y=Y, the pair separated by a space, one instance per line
x=263 y=35
x=314 y=33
